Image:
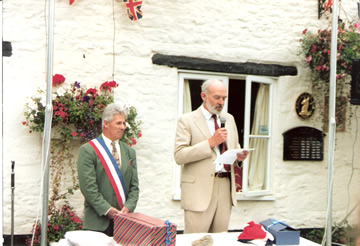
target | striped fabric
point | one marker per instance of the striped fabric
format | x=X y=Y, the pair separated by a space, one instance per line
x=137 y=229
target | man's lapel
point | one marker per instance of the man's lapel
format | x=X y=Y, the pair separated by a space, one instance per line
x=125 y=161
x=200 y=122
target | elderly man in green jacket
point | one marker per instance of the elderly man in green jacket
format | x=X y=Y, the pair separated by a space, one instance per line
x=108 y=181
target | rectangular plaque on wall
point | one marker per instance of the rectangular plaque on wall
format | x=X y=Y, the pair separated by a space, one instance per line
x=303 y=144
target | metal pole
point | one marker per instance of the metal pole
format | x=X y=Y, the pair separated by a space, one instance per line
x=332 y=119
x=47 y=125
x=12 y=200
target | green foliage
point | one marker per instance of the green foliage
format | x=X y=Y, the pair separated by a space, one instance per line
x=77 y=111
x=60 y=221
x=316 y=49
x=344 y=235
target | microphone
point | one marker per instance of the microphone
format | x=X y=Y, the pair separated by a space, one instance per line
x=222 y=122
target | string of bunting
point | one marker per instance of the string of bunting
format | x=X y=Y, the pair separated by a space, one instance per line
x=133 y=8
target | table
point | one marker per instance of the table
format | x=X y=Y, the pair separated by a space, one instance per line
x=219 y=239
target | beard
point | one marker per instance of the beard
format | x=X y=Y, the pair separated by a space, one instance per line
x=214 y=109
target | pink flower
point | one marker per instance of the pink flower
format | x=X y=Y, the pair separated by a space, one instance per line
x=133 y=141
x=139 y=135
x=24 y=123
x=56 y=227
x=73 y=134
x=305 y=31
x=308 y=59
x=81 y=134
x=313 y=48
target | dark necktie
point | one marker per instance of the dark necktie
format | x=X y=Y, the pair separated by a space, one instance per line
x=237 y=169
x=115 y=154
x=222 y=146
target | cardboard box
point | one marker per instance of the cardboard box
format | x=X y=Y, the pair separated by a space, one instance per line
x=139 y=229
x=283 y=234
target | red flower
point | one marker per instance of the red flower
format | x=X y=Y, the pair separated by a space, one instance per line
x=81 y=134
x=133 y=141
x=91 y=91
x=106 y=86
x=58 y=79
x=71 y=2
x=139 y=134
x=73 y=134
x=24 y=123
x=56 y=227
x=305 y=31
x=61 y=114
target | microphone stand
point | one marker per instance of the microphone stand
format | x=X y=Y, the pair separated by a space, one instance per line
x=12 y=200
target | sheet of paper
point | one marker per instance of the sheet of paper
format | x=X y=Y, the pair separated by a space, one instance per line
x=229 y=156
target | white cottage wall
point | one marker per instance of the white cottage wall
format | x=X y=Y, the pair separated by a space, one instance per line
x=95 y=39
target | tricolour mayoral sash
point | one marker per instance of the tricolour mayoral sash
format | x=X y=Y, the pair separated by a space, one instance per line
x=111 y=168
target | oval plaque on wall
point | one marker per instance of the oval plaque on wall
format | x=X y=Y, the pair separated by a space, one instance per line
x=305 y=106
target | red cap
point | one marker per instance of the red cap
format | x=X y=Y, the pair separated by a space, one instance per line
x=252 y=231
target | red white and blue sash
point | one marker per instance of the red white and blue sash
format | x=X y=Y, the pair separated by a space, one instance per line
x=111 y=168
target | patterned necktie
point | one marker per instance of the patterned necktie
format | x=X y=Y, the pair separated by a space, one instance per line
x=115 y=154
x=222 y=146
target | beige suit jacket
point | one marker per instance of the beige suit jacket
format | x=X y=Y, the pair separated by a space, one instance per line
x=193 y=152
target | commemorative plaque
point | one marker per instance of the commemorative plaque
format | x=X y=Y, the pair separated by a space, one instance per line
x=303 y=144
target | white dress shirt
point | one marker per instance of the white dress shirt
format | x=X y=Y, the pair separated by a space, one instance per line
x=219 y=167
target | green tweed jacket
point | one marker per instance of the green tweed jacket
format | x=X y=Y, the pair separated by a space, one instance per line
x=97 y=190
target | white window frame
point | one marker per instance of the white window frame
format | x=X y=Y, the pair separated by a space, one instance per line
x=247 y=136
x=245 y=194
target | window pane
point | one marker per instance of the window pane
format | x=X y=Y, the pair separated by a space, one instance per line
x=260 y=109
x=236 y=105
x=258 y=164
x=195 y=90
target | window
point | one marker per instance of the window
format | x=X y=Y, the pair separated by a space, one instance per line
x=250 y=102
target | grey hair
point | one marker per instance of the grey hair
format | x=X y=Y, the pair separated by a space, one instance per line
x=207 y=83
x=111 y=110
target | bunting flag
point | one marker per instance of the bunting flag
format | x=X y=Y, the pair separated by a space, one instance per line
x=134 y=9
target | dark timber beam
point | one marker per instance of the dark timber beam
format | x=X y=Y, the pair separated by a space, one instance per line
x=191 y=63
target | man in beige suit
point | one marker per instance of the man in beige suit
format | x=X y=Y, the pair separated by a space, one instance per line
x=207 y=188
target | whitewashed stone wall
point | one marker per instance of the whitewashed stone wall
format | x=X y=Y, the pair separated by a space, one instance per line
x=239 y=31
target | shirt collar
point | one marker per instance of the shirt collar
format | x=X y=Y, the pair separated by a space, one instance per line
x=206 y=113
x=107 y=140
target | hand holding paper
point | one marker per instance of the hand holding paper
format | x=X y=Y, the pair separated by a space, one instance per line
x=229 y=156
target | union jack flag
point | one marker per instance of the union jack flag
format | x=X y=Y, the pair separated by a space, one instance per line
x=134 y=9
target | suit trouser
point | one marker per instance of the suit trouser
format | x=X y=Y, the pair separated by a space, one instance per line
x=217 y=216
